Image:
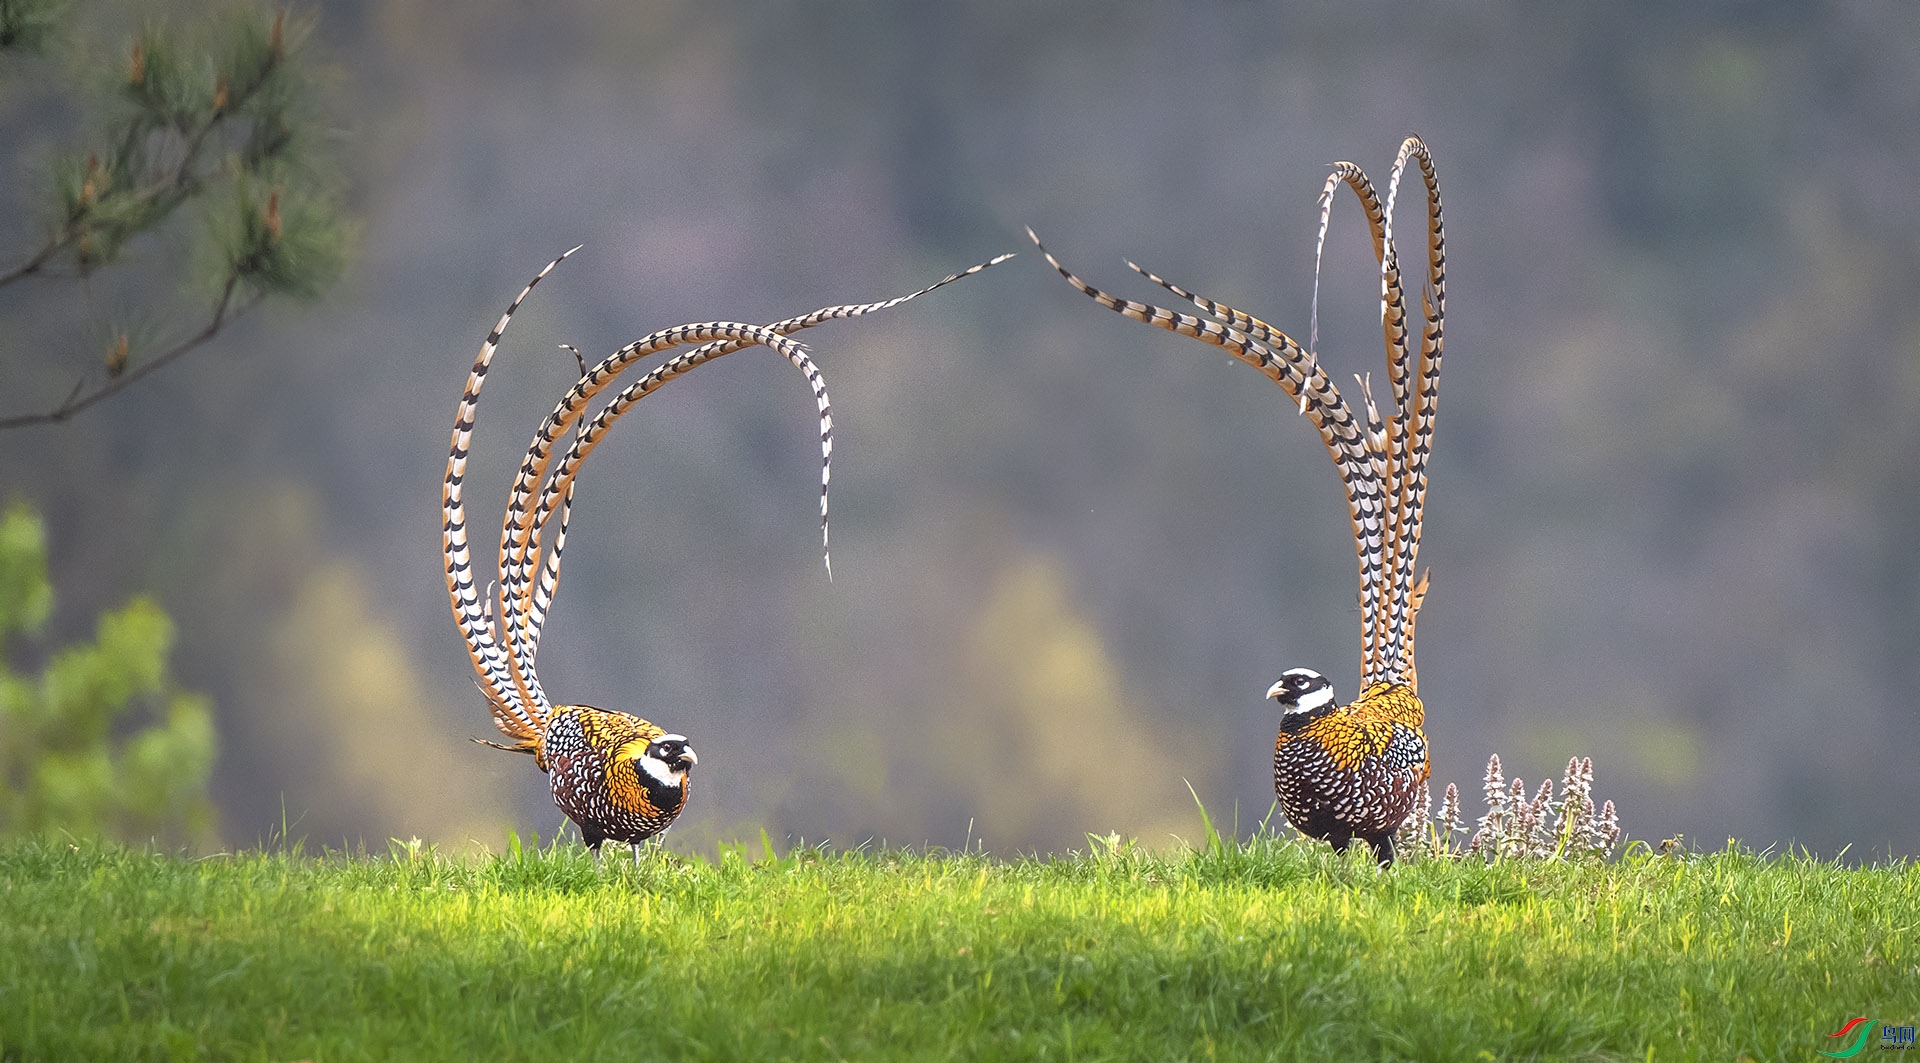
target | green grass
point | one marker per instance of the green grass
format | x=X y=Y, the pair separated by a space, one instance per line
x=1267 y=950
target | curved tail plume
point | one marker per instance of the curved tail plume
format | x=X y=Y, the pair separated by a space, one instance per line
x=475 y=620
x=1417 y=413
x=1278 y=357
x=528 y=581
x=1382 y=460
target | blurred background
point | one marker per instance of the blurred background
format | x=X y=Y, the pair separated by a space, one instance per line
x=1673 y=487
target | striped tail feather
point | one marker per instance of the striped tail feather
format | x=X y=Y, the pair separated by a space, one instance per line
x=1417 y=411
x=549 y=581
x=1393 y=313
x=1382 y=662
x=1365 y=472
x=839 y=313
x=521 y=534
x=517 y=560
x=1382 y=463
x=1416 y=595
x=492 y=665
x=1408 y=433
x=1298 y=372
x=786 y=327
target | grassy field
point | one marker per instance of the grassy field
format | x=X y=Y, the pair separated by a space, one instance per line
x=1271 y=949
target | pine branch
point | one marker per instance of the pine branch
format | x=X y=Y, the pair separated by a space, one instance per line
x=224 y=313
x=157 y=200
x=183 y=141
x=34 y=264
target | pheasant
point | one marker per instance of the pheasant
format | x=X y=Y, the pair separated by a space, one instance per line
x=1350 y=771
x=615 y=775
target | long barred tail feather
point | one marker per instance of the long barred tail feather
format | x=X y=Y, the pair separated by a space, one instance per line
x=838 y=313
x=1393 y=317
x=530 y=750
x=1352 y=176
x=1417 y=411
x=1415 y=597
x=493 y=667
x=521 y=533
x=1361 y=470
x=1381 y=463
x=1298 y=372
x=1378 y=656
x=1382 y=663
x=519 y=554
x=549 y=581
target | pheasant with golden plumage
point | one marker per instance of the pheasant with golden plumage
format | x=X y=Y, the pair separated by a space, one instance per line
x=617 y=776
x=1351 y=771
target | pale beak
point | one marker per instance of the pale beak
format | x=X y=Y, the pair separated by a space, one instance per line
x=1277 y=689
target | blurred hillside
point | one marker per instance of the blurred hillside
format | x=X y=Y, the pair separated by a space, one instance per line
x=1673 y=485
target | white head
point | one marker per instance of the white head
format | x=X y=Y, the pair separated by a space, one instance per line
x=667 y=760
x=1302 y=690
